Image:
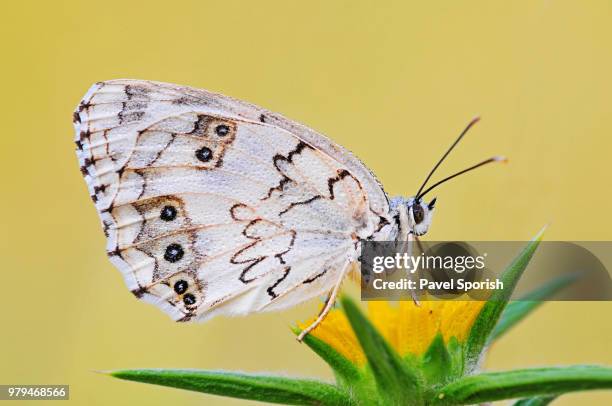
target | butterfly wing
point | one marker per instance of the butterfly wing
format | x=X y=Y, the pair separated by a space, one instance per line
x=214 y=206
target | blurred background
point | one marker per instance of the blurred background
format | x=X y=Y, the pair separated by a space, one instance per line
x=394 y=82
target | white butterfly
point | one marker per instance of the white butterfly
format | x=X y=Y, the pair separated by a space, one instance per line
x=215 y=206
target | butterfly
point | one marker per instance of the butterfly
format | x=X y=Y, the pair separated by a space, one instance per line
x=213 y=206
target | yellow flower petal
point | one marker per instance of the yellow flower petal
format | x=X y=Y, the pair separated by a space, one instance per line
x=336 y=331
x=408 y=328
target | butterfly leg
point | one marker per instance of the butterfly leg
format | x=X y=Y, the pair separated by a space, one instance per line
x=327 y=299
x=411 y=239
x=419 y=244
x=329 y=304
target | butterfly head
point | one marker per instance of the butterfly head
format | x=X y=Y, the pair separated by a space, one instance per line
x=419 y=215
x=412 y=216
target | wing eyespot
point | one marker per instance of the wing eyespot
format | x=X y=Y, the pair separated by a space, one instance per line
x=168 y=213
x=222 y=130
x=174 y=253
x=189 y=299
x=204 y=154
x=181 y=286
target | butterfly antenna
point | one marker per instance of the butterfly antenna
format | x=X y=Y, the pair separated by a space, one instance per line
x=467 y=128
x=486 y=161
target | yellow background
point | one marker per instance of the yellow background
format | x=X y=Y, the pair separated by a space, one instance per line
x=393 y=81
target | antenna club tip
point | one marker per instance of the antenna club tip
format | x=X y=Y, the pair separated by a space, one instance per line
x=500 y=158
x=475 y=120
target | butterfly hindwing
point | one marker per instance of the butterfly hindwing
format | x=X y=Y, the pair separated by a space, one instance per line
x=214 y=206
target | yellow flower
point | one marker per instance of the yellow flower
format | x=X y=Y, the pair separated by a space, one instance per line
x=408 y=328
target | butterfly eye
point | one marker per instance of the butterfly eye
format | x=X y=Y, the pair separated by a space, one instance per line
x=418 y=213
x=222 y=130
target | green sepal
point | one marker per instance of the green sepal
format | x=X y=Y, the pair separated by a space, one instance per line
x=436 y=362
x=395 y=379
x=455 y=349
x=489 y=387
x=265 y=388
x=518 y=310
x=345 y=371
x=492 y=310
x=537 y=401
